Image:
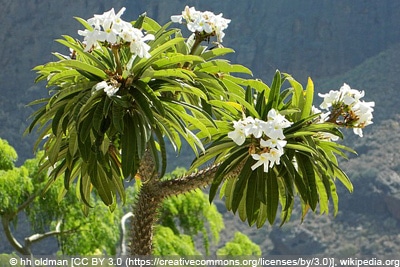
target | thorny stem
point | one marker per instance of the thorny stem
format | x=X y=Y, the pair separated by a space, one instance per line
x=151 y=196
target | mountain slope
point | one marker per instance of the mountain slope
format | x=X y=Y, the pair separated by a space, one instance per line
x=315 y=38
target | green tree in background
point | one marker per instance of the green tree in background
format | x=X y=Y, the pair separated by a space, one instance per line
x=22 y=191
x=240 y=245
x=57 y=212
x=129 y=87
x=8 y=156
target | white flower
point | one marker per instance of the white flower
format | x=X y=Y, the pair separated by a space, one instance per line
x=356 y=113
x=358 y=131
x=275 y=156
x=238 y=135
x=275 y=125
x=329 y=99
x=206 y=21
x=278 y=119
x=220 y=24
x=345 y=95
x=363 y=111
x=108 y=24
x=315 y=110
x=255 y=127
x=110 y=90
x=273 y=143
x=269 y=133
x=349 y=96
x=139 y=47
x=267 y=159
x=262 y=159
x=91 y=38
x=109 y=27
x=188 y=14
x=274 y=130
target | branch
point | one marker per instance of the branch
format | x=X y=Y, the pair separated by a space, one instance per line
x=188 y=182
x=26 y=203
x=193 y=181
x=5 y=220
x=123 y=232
x=37 y=237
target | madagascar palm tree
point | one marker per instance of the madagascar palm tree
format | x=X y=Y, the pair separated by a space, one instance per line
x=129 y=87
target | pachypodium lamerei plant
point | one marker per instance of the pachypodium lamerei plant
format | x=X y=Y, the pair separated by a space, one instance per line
x=129 y=86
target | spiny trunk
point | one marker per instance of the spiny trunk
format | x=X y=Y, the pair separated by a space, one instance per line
x=151 y=196
x=145 y=216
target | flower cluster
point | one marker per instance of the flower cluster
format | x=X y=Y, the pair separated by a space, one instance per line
x=110 y=28
x=347 y=108
x=269 y=136
x=207 y=22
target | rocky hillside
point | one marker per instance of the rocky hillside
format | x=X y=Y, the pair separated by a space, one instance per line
x=368 y=222
x=308 y=38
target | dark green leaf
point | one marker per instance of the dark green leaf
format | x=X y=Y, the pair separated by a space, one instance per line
x=129 y=154
x=244 y=175
x=252 y=200
x=272 y=196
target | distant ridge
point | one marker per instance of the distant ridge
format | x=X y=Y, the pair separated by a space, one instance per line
x=379 y=76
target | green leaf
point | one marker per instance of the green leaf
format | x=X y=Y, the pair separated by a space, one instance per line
x=342 y=176
x=300 y=147
x=73 y=141
x=241 y=184
x=232 y=161
x=323 y=195
x=212 y=152
x=129 y=153
x=85 y=126
x=84 y=56
x=151 y=95
x=298 y=96
x=250 y=110
x=139 y=22
x=221 y=66
x=144 y=106
x=273 y=97
x=177 y=73
x=56 y=120
x=252 y=200
x=335 y=198
x=216 y=52
x=262 y=215
x=242 y=205
x=162 y=149
x=308 y=175
x=85 y=67
x=84 y=23
x=309 y=97
x=144 y=63
x=85 y=186
x=227 y=192
x=175 y=59
x=149 y=24
x=272 y=196
x=118 y=114
x=101 y=181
